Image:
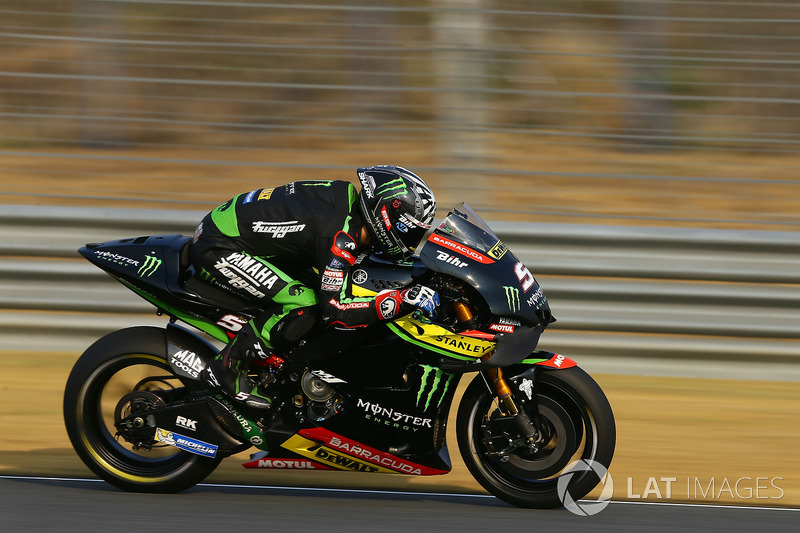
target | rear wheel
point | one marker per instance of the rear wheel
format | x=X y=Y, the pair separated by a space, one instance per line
x=123 y=373
x=578 y=435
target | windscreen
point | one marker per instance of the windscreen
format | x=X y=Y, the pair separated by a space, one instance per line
x=464 y=247
x=465 y=226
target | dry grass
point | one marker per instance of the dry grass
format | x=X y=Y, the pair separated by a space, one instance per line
x=570 y=181
x=697 y=431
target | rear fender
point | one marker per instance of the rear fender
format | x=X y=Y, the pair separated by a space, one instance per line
x=188 y=353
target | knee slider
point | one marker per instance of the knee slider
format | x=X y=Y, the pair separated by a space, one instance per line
x=296 y=325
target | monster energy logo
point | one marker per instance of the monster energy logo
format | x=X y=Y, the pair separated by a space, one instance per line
x=512 y=297
x=150 y=265
x=437 y=380
x=396 y=187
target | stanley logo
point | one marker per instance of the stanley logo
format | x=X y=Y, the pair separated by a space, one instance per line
x=149 y=267
x=512 y=297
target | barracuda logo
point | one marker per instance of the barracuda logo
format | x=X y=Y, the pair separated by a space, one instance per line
x=150 y=265
x=512 y=297
x=397 y=187
x=437 y=374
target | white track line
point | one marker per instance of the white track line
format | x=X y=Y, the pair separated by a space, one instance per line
x=405 y=493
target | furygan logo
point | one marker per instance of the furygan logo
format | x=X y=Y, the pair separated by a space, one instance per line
x=278 y=229
x=246 y=272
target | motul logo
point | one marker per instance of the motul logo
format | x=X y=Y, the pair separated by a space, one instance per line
x=290 y=464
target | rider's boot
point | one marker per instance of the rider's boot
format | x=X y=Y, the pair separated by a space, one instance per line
x=228 y=372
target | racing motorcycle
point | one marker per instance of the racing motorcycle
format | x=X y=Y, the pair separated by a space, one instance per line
x=371 y=399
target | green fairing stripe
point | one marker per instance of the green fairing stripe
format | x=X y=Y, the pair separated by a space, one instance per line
x=225 y=219
x=532 y=361
x=402 y=334
x=216 y=332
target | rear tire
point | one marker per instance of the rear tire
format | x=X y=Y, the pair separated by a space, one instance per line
x=112 y=367
x=581 y=426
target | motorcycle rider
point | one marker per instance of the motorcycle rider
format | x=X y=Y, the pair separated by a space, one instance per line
x=290 y=249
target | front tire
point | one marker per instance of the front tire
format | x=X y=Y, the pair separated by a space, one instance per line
x=578 y=423
x=133 y=359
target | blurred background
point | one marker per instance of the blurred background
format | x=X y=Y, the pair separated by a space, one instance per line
x=638 y=155
x=646 y=112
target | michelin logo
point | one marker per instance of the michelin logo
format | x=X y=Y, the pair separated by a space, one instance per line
x=186 y=443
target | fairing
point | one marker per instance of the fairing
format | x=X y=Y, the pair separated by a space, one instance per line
x=464 y=247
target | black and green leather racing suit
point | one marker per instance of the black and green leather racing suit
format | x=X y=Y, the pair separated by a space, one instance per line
x=288 y=250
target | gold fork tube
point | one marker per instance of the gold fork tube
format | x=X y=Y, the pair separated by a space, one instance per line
x=502 y=389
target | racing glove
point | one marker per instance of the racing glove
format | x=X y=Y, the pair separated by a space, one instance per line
x=424 y=298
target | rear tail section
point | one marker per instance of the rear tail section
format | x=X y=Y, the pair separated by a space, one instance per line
x=157 y=269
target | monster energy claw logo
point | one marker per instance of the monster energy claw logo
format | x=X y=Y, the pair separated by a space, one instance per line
x=437 y=380
x=150 y=265
x=512 y=297
x=397 y=187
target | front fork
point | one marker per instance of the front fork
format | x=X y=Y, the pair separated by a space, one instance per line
x=519 y=418
x=519 y=426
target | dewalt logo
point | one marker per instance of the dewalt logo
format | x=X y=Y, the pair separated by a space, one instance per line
x=149 y=267
x=498 y=250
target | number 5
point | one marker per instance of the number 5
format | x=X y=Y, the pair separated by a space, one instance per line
x=524 y=276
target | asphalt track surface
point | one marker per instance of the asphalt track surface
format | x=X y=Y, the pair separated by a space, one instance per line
x=36 y=504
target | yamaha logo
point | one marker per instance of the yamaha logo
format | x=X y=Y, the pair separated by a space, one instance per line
x=360 y=276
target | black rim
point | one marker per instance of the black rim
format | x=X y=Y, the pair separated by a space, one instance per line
x=98 y=402
x=571 y=427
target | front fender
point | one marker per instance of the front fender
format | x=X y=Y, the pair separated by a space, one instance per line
x=538 y=361
x=550 y=360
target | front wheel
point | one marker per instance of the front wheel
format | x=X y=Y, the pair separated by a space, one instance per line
x=576 y=429
x=124 y=372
